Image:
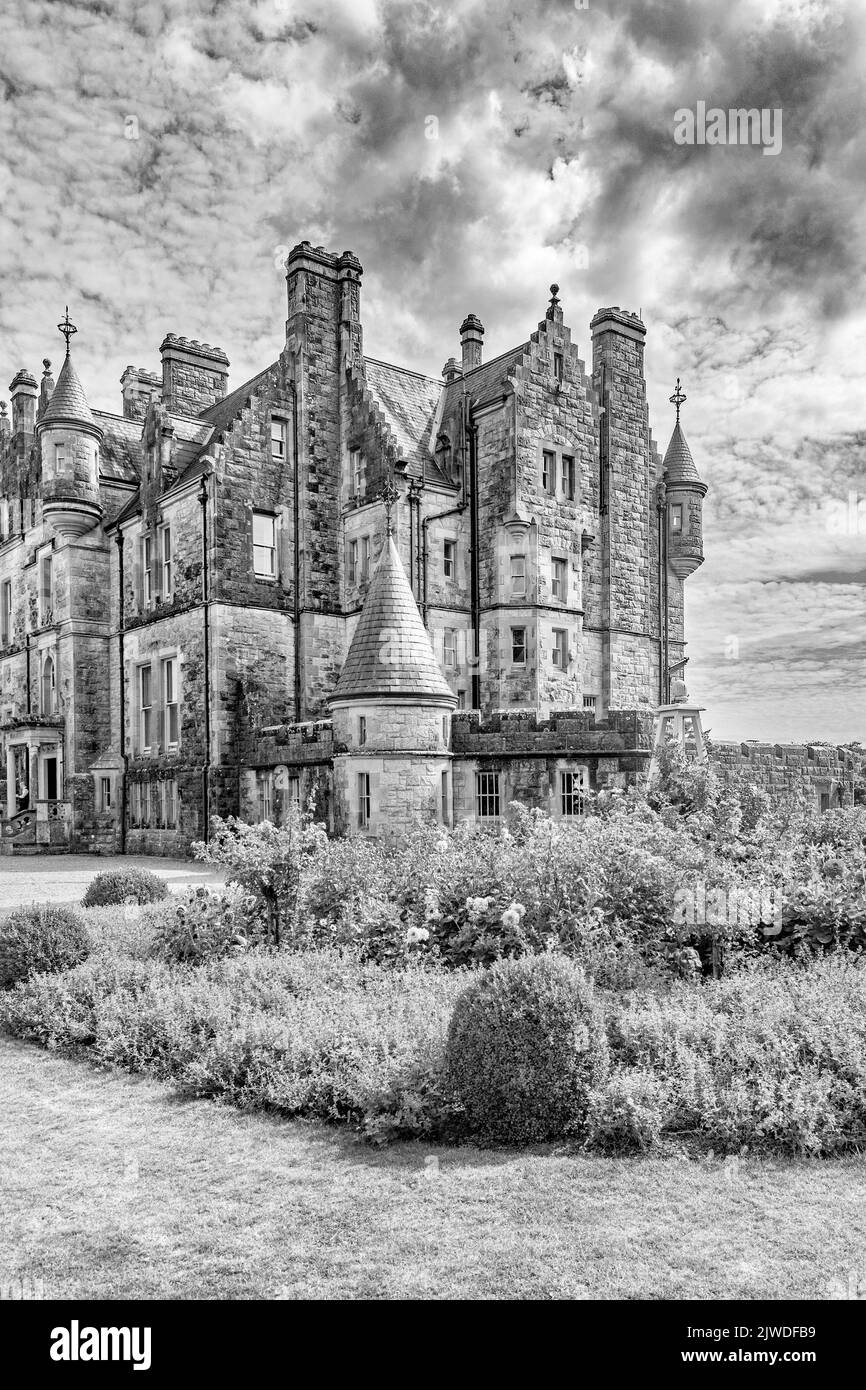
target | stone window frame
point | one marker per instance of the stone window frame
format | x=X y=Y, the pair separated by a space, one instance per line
x=449 y=557
x=145 y=711
x=366 y=552
x=488 y=797
x=449 y=647
x=519 y=646
x=352 y=562
x=590 y=701
x=356 y=474
x=445 y=804
x=279 y=434
x=45 y=591
x=571 y=798
x=559 y=572
x=560 y=648
x=517 y=578
x=170 y=663
x=548 y=469
x=7 y=625
x=568 y=475
x=105 y=791
x=267 y=514
x=166 y=560
x=264 y=787
x=676 y=518
x=169 y=803
x=134 y=804
x=147 y=584
x=558 y=366
x=362 y=730
x=364 y=800
x=47 y=659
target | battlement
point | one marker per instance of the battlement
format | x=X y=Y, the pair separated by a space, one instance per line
x=824 y=772
x=563 y=731
x=310 y=742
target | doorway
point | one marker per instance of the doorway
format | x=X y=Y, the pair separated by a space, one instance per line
x=49 y=777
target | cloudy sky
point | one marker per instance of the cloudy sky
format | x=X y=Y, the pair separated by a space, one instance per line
x=157 y=160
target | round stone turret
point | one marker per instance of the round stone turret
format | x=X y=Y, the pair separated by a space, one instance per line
x=685 y=496
x=69 y=441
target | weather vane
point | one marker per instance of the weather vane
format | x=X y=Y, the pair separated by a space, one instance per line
x=67 y=328
x=389 y=497
x=677 y=399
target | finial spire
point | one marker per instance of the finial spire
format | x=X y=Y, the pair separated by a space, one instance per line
x=389 y=497
x=67 y=328
x=677 y=399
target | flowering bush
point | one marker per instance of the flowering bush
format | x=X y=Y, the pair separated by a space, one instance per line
x=199 y=926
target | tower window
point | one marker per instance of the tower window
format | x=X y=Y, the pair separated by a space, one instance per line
x=279 y=439
x=445 y=808
x=363 y=799
x=59 y=458
x=560 y=648
x=264 y=545
x=518 y=576
x=362 y=729
x=518 y=646
x=676 y=517
x=487 y=794
x=548 y=471
x=568 y=477
x=559 y=579
x=449 y=551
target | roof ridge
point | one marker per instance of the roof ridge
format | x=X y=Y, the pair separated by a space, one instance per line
x=409 y=371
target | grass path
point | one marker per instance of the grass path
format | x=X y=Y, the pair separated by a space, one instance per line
x=112 y=1187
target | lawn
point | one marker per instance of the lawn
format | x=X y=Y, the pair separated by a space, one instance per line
x=112 y=1187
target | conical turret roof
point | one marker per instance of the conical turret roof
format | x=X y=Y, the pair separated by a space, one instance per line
x=68 y=403
x=390 y=653
x=679 y=464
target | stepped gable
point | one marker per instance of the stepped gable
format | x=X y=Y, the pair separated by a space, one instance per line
x=390 y=653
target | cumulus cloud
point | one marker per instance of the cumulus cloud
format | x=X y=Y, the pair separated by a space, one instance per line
x=156 y=154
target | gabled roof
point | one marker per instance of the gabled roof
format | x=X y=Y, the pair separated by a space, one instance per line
x=409 y=402
x=484 y=382
x=679 y=464
x=390 y=653
x=68 y=403
x=222 y=413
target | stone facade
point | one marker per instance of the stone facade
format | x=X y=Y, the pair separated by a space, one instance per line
x=184 y=580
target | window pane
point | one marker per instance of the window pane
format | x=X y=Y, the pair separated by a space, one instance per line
x=263 y=529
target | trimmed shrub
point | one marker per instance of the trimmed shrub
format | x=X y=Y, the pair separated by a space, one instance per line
x=526 y=1044
x=116 y=886
x=40 y=939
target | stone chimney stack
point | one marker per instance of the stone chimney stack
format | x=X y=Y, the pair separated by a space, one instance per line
x=451 y=371
x=194 y=374
x=4 y=421
x=471 y=335
x=139 y=387
x=23 y=390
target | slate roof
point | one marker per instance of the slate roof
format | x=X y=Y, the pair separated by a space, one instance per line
x=120 y=453
x=486 y=381
x=68 y=403
x=390 y=653
x=409 y=401
x=679 y=464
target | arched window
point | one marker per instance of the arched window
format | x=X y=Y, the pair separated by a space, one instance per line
x=48 y=685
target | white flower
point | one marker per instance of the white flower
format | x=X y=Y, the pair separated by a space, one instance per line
x=513 y=915
x=475 y=906
x=415 y=934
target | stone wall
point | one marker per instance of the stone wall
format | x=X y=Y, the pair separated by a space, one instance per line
x=824 y=774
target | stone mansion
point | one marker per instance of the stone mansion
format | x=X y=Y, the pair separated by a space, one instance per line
x=342 y=581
